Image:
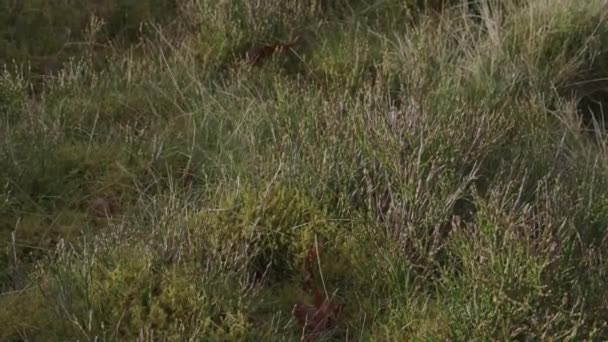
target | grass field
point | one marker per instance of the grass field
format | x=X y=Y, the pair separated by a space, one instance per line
x=407 y=171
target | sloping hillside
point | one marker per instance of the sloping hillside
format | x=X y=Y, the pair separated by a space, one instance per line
x=312 y=170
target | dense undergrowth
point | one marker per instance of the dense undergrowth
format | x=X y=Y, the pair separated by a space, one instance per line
x=444 y=162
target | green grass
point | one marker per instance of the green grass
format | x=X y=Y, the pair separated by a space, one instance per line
x=448 y=161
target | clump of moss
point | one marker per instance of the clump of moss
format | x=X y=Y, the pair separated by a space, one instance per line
x=174 y=302
x=124 y=293
x=27 y=315
x=271 y=229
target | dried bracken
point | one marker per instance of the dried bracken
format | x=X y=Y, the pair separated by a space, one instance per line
x=102 y=208
x=318 y=318
x=322 y=315
x=258 y=54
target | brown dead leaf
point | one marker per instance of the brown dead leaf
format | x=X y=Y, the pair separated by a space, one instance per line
x=318 y=318
x=256 y=55
x=101 y=207
x=322 y=315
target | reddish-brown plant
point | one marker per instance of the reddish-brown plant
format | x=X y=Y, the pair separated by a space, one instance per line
x=102 y=208
x=257 y=55
x=322 y=315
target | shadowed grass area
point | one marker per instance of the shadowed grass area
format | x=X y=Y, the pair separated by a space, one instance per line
x=418 y=170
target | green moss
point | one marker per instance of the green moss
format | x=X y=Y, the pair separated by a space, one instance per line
x=270 y=229
x=126 y=293
x=27 y=314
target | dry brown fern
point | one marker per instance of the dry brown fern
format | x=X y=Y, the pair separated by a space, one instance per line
x=258 y=54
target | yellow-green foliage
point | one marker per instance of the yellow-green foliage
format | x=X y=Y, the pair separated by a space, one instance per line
x=135 y=297
x=125 y=293
x=270 y=229
x=28 y=314
x=342 y=57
